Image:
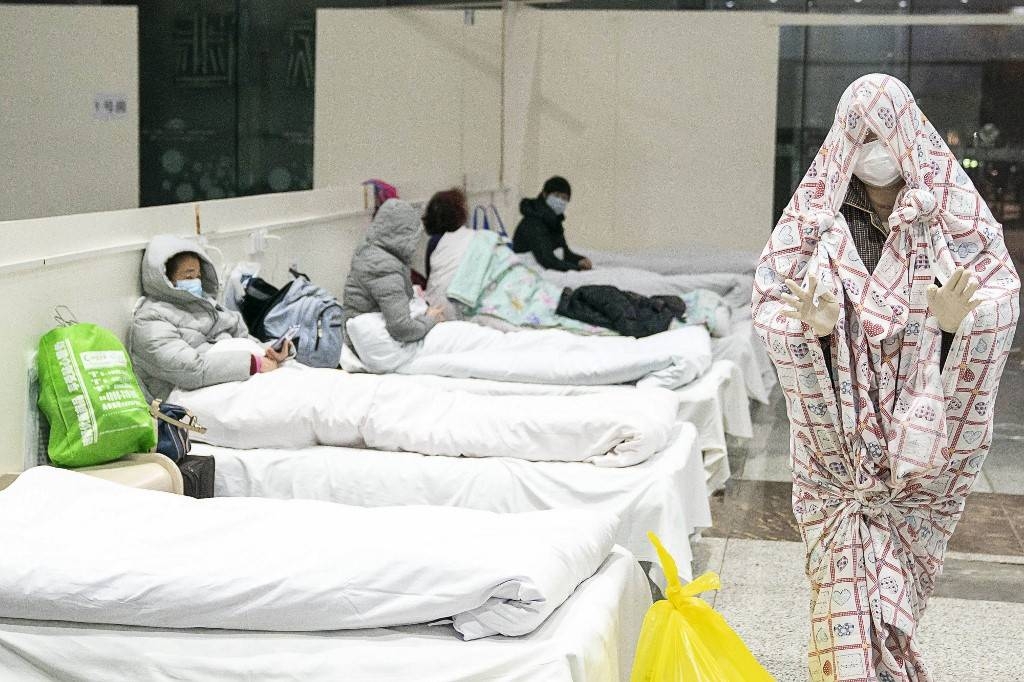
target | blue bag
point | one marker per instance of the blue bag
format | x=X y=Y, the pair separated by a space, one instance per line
x=173 y=424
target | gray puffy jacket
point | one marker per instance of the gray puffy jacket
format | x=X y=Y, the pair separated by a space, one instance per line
x=172 y=330
x=380 y=280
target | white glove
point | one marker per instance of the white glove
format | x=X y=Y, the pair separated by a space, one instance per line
x=951 y=303
x=822 y=317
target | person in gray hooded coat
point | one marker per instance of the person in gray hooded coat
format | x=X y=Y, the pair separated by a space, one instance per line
x=380 y=278
x=178 y=321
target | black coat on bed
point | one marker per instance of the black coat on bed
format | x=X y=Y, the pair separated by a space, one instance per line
x=625 y=312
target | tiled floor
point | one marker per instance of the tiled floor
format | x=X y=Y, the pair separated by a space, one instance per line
x=764 y=596
x=974 y=626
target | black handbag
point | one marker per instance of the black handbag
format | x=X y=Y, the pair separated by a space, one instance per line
x=173 y=424
x=198 y=474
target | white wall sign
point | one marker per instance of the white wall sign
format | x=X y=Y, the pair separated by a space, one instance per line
x=107 y=107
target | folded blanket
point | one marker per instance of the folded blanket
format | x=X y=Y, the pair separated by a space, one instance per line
x=77 y=548
x=296 y=407
x=461 y=349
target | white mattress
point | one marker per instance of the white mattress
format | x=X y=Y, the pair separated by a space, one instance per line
x=590 y=638
x=666 y=494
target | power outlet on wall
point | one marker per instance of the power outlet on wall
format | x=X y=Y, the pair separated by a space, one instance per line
x=258 y=242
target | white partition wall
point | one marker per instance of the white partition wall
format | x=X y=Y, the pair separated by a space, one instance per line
x=664 y=122
x=408 y=96
x=60 y=154
x=628 y=105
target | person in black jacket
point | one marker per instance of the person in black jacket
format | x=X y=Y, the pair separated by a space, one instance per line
x=540 y=231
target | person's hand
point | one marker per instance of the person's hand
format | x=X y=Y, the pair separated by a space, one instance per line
x=585 y=264
x=268 y=364
x=822 y=317
x=436 y=312
x=279 y=356
x=951 y=302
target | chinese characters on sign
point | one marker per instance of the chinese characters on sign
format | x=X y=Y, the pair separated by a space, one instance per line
x=107 y=107
x=205 y=48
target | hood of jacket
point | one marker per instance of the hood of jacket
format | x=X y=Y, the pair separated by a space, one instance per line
x=155 y=283
x=538 y=208
x=397 y=229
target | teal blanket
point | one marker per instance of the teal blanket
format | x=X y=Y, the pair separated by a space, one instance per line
x=492 y=281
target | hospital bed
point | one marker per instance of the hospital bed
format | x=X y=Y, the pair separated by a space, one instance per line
x=740 y=345
x=716 y=404
x=121 y=597
x=589 y=638
x=666 y=494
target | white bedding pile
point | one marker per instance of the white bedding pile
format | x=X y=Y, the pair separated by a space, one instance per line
x=296 y=407
x=590 y=638
x=80 y=549
x=465 y=350
x=734 y=288
x=741 y=345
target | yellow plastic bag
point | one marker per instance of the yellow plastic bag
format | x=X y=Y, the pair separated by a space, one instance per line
x=685 y=640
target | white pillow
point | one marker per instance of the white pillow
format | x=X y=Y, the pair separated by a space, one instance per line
x=376 y=348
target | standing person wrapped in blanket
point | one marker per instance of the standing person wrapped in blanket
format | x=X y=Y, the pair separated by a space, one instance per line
x=887 y=438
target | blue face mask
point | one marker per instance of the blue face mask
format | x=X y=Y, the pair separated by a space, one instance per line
x=192 y=286
x=557 y=204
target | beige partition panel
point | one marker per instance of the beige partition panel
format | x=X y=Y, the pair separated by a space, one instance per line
x=408 y=96
x=664 y=122
x=61 y=154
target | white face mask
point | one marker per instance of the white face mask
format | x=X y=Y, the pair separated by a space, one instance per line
x=875 y=166
x=192 y=286
x=557 y=204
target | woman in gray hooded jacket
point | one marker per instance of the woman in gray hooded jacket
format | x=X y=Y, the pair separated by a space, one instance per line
x=380 y=279
x=178 y=321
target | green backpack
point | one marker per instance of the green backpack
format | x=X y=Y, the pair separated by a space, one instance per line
x=89 y=394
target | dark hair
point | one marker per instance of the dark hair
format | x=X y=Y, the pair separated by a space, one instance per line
x=557 y=184
x=174 y=261
x=446 y=212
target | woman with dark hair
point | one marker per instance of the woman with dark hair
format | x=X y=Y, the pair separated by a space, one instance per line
x=445 y=221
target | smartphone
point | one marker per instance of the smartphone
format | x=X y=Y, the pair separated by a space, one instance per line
x=287 y=336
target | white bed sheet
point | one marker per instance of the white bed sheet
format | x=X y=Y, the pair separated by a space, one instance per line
x=666 y=494
x=733 y=287
x=590 y=638
x=669 y=359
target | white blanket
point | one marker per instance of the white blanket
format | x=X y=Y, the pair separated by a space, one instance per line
x=462 y=349
x=734 y=288
x=666 y=494
x=590 y=638
x=80 y=549
x=741 y=345
x=296 y=407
